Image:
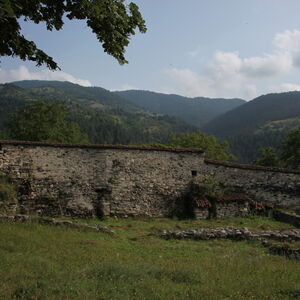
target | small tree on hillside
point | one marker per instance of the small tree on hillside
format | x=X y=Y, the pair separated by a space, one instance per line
x=209 y=144
x=290 y=156
x=268 y=158
x=45 y=122
x=291 y=149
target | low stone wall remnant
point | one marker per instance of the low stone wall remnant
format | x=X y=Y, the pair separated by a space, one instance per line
x=286 y=217
x=231 y=233
x=283 y=250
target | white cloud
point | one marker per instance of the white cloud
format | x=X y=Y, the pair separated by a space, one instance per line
x=22 y=73
x=216 y=84
x=230 y=75
x=190 y=83
x=288 y=40
x=224 y=70
x=125 y=87
x=285 y=87
x=250 y=91
x=267 y=66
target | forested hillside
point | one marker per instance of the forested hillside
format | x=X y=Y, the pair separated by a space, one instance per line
x=262 y=122
x=91 y=97
x=196 y=111
x=102 y=115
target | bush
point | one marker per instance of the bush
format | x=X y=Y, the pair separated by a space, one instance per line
x=8 y=193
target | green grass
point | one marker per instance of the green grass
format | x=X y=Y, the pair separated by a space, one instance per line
x=48 y=262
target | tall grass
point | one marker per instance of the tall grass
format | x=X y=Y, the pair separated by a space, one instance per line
x=44 y=262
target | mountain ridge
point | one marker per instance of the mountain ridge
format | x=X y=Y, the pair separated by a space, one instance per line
x=104 y=116
x=196 y=111
x=262 y=122
x=265 y=108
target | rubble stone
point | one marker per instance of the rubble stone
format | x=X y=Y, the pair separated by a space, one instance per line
x=93 y=181
x=231 y=233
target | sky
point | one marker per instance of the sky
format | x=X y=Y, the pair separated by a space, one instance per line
x=209 y=48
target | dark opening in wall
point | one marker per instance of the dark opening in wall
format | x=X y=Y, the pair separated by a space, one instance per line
x=194 y=173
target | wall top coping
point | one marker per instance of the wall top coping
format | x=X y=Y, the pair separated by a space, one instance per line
x=249 y=167
x=96 y=146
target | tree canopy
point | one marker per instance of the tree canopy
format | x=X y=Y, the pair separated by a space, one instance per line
x=209 y=144
x=2 y=135
x=45 y=122
x=267 y=158
x=290 y=156
x=113 y=22
x=291 y=149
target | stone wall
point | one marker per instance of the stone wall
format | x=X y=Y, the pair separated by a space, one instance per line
x=232 y=209
x=287 y=217
x=224 y=210
x=201 y=213
x=93 y=180
x=220 y=207
x=86 y=181
x=278 y=186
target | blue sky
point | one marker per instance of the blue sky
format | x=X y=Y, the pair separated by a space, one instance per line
x=213 y=48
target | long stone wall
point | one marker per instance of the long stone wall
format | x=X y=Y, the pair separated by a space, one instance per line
x=93 y=180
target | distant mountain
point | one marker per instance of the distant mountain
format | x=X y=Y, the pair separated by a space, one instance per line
x=255 y=113
x=103 y=115
x=262 y=122
x=91 y=97
x=196 y=111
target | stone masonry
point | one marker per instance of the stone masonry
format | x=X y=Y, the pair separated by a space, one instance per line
x=99 y=180
x=87 y=181
x=263 y=184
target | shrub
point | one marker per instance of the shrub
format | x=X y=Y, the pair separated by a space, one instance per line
x=8 y=193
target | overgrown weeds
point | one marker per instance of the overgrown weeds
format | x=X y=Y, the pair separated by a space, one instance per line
x=8 y=194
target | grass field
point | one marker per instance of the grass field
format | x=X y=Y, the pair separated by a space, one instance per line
x=48 y=262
